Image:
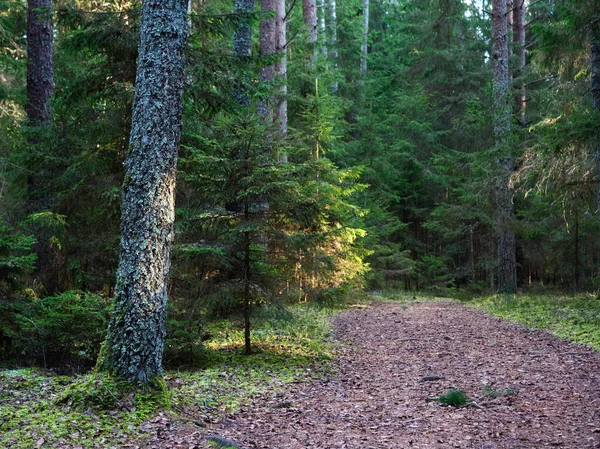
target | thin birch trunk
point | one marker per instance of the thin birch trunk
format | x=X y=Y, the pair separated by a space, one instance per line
x=333 y=51
x=364 y=47
x=322 y=33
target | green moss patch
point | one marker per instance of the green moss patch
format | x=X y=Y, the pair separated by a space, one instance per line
x=97 y=411
x=576 y=318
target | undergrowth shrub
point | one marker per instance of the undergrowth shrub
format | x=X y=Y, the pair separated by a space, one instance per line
x=62 y=331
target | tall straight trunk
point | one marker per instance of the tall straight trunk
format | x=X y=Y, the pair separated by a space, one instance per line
x=504 y=208
x=309 y=13
x=333 y=51
x=281 y=70
x=137 y=328
x=268 y=48
x=322 y=33
x=242 y=44
x=40 y=87
x=40 y=65
x=364 y=47
x=595 y=50
x=519 y=13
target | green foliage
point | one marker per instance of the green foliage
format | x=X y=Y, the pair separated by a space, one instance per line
x=16 y=256
x=574 y=318
x=89 y=411
x=454 y=398
x=96 y=410
x=63 y=330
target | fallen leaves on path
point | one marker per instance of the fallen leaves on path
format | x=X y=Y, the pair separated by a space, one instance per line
x=527 y=389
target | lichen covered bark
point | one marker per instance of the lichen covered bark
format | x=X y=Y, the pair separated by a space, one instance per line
x=504 y=207
x=40 y=66
x=137 y=328
x=242 y=42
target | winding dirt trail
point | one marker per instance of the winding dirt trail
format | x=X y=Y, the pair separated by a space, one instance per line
x=396 y=357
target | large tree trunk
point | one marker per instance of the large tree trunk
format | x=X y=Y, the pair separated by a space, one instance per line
x=520 y=11
x=242 y=44
x=364 y=46
x=504 y=218
x=40 y=87
x=40 y=66
x=268 y=48
x=137 y=328
x=309 y=13
x=333 y=52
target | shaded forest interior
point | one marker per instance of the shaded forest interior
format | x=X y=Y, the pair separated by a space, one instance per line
x=326 y=147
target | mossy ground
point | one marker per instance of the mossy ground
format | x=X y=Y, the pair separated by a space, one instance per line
x=95 y=411
x=575 y=318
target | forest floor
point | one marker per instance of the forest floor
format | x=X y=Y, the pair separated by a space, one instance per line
x=525 y=388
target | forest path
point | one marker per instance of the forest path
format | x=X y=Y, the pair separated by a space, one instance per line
x=387 y=369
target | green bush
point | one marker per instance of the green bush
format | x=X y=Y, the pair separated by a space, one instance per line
x=66 y=329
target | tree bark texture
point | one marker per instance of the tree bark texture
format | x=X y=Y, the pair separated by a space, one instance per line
x=322 y=33
x=268 y=47
x=281 y=70
x=332 y=51
x=242 y=42
x=309 y=13
x=519 y=14
x=504 y=218
x=40 y=66
x=364 y=46
x=137 y=328
x=595 y=59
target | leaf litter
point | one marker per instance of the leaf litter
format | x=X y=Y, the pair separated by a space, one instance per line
x=525 y=389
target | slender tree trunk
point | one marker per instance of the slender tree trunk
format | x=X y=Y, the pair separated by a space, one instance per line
x=40 y=65
x=333 y=51
x=242 y=44
x=322 y=28
x=576 y=255
x=137 y=328
x=364 y=47
x=504 y=217
x=309 y=13
x=595 y=50
x=247 y=299
x=281 y=70
x=520 y=12
x=268 y=47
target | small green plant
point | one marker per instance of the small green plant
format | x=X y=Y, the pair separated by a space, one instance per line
x=492 y=392
x=454 y=398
